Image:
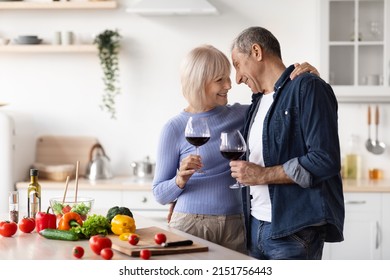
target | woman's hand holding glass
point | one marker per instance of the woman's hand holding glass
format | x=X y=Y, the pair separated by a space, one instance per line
x=197 y=133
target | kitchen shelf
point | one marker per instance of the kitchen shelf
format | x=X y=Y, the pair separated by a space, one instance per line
x=58 y=5
x=48 y=49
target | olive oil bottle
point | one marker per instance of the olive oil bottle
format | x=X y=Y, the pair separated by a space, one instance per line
x=33 y=194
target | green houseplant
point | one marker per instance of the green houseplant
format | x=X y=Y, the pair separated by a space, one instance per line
x=108 y=43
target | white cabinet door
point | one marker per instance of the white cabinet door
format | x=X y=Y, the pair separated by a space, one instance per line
x=386 y=226
x=355 y=48
x=362 y=229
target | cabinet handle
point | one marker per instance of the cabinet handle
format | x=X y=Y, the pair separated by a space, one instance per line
x=144 y=199
x=355 y=202
x=378 y=236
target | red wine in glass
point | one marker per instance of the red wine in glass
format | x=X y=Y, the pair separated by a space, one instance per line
x=233 y=147
x=197 y=141
x=197 y=133
x=232 y=155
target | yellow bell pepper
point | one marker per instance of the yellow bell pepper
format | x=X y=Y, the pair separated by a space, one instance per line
x=122 y=224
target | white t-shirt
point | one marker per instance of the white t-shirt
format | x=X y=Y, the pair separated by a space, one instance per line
x=261 y=202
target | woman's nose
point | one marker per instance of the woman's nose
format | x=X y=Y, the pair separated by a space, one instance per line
x=228 y=84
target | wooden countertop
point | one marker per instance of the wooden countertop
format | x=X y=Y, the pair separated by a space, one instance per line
x=32 y=246
x=131 y=183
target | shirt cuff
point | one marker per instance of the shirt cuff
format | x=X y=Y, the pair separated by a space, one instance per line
x=297 y=173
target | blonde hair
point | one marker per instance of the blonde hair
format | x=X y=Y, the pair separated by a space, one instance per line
x=199 y=67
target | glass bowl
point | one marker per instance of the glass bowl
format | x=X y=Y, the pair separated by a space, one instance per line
x=83 y=206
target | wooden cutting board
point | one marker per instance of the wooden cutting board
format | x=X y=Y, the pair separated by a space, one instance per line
x=54 y=149
x=147 y=238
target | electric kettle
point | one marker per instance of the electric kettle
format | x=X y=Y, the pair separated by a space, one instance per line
x=99 y=164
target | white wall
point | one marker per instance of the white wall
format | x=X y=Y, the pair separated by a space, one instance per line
x=60 y=93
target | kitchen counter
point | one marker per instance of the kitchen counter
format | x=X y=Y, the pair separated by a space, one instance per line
x=366 y=185
x=134 y=184
x=32 y=246
x=116 y=183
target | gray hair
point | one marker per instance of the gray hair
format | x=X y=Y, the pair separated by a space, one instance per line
x=201 y=65
x=257 y=35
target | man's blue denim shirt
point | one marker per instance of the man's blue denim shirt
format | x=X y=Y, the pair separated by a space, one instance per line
x=301 y=134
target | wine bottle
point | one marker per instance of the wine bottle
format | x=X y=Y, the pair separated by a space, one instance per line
x=33 y=194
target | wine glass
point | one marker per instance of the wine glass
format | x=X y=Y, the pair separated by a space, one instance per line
x=197 y=133
x=233 y=147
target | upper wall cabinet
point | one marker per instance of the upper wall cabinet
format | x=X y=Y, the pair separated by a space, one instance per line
x=356 y=49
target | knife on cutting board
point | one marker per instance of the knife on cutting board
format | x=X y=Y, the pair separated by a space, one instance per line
x=166 y=245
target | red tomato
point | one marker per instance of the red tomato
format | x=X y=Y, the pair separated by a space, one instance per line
x=133 y=239
x=99 y=242
x=7 y=228
x=145 y=254
x=78 y=252
x=160 y=238
x=27 y=225
x=66 y=209
x=107 y=253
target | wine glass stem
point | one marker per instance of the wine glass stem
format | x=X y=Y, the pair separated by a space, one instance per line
x=197 y=150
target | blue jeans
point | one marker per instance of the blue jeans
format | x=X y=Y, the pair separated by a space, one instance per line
x=306 y=244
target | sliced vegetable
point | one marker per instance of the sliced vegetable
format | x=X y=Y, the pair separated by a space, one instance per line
x=122 y=224
x=58 y=234
x=69 y=220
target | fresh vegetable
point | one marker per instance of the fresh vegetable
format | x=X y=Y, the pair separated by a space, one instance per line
x=122 y=224
x=27 y=225
x=93 y=225
x=116 y=210
x=69 y=220
x=145 y=254
x=45 y=220
x=7 y=228
x=78 y=252
x=59 y=234
x=107 y=253
x=160 y=238
x=98 y=242
x=81 y=208
x=133 y=239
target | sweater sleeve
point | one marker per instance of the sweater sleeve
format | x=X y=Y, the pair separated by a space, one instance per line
x=165 y=189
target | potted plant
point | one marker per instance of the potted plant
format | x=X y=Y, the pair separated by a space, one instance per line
x=108 y=43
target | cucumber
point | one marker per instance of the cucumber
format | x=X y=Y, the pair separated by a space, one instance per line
x=58 y=234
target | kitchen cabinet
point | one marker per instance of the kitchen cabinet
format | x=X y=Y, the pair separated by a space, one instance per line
x=363 y=229
x=355 y=48
x=386 y=226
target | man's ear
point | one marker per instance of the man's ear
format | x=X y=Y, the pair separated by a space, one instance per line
x=257 y=52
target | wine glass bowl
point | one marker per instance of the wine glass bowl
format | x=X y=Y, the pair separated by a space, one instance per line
x=197 y=133
x=232 y=147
